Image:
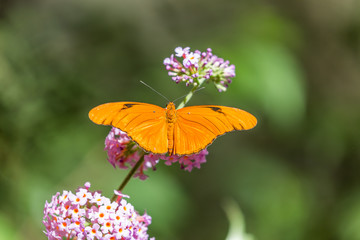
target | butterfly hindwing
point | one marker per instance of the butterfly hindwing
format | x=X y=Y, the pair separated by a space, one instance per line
x=196 y=127
x=144 y=123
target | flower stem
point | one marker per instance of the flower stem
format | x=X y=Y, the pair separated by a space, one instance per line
x=128 y=177
x=191 y=93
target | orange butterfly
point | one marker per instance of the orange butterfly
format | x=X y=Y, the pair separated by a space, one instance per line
x=166 y=130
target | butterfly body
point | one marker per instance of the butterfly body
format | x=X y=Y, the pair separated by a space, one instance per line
x=166 y=130
x=170 y=119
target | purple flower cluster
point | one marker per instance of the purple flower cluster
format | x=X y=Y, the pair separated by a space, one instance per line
x=89 y=215
x=123 y=153
x=186 y=162
x=195 y=67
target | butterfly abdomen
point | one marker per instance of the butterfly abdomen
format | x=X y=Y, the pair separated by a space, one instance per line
x=170 y=118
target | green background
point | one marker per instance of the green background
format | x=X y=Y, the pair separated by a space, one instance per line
x=295 y=176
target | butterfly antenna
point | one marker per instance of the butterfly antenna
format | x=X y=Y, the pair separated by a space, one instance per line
x=186 y=94
x=155 y=90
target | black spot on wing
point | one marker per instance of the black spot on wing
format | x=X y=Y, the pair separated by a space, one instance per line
x=128 y=105
x=216 y=109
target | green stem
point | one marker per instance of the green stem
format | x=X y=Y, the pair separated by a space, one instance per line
x=191 y=93
x=129 y=176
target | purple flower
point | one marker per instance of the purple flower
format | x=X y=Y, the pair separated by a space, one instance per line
x=64 y=217
x=187 y=162
x=192 y=67
x=182 y=52
x=123 y=153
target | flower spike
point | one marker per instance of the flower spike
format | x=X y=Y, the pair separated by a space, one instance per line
x=98 y=218
x=193 y=68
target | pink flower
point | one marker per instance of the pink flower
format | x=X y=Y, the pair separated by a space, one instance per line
x=182 y=52
x=93 y=220
x=101 y=214
x=107 y=227
x=81 y=196
x=191 y=59
x=77 y=224
x=199 y=65
x=75 y=211
x=187 y=162
x=93 y=231
x=122 y=233
x=98 y=199
x=124 y=153
x=64 y=196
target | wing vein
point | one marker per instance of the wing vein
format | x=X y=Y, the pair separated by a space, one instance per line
x=214 y=123
x=188 y=120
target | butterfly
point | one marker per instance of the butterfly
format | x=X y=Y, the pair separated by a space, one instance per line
x=169 y=131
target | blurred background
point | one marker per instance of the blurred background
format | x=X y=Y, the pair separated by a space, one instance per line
x=295 y=176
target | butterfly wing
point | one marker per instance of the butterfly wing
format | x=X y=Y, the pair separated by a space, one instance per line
x=144 y=123
x=198 y=126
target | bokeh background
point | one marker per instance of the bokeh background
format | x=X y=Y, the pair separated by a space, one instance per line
x=295 y=176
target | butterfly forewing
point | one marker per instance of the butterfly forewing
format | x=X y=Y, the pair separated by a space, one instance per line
x=198 y=126
x=176 y=132
x=144 y=123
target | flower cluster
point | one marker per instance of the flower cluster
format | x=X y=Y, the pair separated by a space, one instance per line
x=186 y=162
x=195 y=67
x=123 y=153
x=89 y=215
